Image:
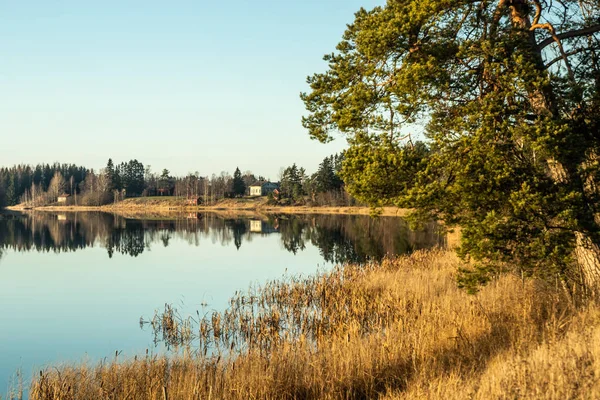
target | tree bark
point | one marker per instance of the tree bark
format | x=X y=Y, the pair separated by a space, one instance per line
x=587 y=255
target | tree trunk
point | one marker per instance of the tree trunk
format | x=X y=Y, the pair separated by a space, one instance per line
x=587 y=255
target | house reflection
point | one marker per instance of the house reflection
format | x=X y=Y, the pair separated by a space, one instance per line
x=259 y=226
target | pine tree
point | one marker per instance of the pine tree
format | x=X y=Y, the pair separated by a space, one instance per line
x=239 y=187
x=165 y=182
x=110 y=174
x=291 y=182
x=508 y=94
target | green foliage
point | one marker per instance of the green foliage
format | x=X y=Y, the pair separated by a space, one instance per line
x=291 y=182
x=271 y=200
x=166 y=182
x=326 y=186
x=131 y=177
x=327 y=177
x=239 y=187
x=111 y=175
x=11 y=191
x=511 y=139
x=380 y=172
x=472 y=279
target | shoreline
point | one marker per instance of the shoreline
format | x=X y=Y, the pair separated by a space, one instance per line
x=226 y=207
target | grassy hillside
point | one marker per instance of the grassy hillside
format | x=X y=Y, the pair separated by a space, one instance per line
x=400 y=329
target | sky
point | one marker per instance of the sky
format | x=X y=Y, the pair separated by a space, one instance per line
x=189 y=86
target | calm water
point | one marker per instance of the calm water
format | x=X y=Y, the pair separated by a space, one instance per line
x=74 y=286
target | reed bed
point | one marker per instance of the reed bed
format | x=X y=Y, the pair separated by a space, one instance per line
x=397 y=329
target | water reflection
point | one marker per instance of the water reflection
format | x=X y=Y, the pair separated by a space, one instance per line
x=340 y=239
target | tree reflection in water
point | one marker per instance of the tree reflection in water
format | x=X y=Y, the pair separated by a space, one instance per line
x=339 y=238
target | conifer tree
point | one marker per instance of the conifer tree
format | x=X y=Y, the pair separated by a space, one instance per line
x=506 y=96
x=110 y=174
x=291 y=182
x=239 y=187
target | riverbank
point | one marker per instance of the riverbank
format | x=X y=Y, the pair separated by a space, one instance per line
x=399 y=329
x=171 y=204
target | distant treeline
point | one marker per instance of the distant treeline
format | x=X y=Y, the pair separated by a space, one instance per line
x=18 y=180
x=45 y=184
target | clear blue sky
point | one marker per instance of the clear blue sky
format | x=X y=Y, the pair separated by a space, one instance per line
x=185 y=85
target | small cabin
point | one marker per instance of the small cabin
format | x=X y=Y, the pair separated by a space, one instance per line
x=193 y=201
x=262 y=189
x=64 y=198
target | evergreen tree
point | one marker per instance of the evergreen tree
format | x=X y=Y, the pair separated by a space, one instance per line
x=132 y=177
x=239 y=187
x=111 y=175
x=47 y=174
x=325 y=178
x=165 y=182
x=11 y=192
x=508 y=92
x=291 y=182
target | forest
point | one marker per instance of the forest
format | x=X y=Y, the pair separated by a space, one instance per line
x=42 y=184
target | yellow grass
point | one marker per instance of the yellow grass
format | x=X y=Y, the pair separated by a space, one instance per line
x=169 y=204
x=400 y=329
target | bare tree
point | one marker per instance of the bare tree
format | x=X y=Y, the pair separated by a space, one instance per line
x=57 y=187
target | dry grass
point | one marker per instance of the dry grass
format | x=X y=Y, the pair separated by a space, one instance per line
x=166 y=204
x=399 y=329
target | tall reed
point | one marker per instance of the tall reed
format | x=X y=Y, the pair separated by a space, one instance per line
x=396 y=329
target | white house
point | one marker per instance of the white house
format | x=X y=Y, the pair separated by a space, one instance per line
x=262 y=189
